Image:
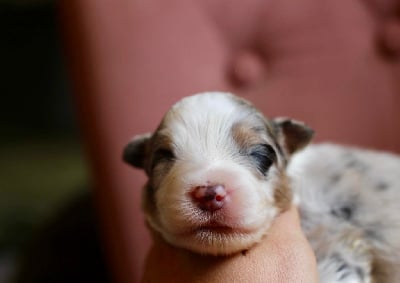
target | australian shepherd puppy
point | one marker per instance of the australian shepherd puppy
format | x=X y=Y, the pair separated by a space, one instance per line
x=219 y=172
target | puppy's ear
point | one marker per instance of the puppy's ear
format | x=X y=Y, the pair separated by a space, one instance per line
x=135 y=152
x=292 y=135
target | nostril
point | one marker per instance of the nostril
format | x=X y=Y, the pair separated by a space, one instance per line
x=220 y=192
x=209 y=198
x=219 y=197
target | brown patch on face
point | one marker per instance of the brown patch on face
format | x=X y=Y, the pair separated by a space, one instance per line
x=283 y=194
x=247 y=136
x=252 y=142
x=160 y=138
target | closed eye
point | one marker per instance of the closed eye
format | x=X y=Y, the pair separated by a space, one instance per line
x=264 y=156
x=162 y=155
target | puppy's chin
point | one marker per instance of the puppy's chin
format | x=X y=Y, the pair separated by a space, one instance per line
x=248 y=209
x=216 y=240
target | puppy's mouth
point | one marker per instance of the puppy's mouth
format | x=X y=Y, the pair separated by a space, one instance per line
x=220 y=229
x=217 y=228
x=217 y=237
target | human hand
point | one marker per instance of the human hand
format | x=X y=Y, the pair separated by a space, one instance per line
x=284 y=255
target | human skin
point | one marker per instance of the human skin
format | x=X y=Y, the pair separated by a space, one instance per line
x=283 y=255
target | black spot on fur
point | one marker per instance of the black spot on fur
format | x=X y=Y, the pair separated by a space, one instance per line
x=354 y=163
x=343 y=270
x=382 y=186
x=346 y=269
x=374 y=233
x=360 y=273
x=344 y=212
x=342 y=267
x=335 y=178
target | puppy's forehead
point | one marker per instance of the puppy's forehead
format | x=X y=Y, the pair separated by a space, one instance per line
x=212 y=104
x=207 y=118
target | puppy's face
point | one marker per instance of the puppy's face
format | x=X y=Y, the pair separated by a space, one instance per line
x=216 y=172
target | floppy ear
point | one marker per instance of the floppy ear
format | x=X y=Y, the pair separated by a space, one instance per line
x=135 y=152
x=292 y=135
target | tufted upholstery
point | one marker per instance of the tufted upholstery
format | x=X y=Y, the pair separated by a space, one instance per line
x=332 y=64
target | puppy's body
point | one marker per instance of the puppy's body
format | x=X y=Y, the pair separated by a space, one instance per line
x=349 y=204
x=220 y=172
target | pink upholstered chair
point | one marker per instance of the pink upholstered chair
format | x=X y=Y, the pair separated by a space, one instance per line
x=329 y=63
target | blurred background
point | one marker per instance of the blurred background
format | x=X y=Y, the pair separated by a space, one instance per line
x=333 y=64
x=42 y=170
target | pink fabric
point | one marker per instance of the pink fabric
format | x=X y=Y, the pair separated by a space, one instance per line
x=316 y=61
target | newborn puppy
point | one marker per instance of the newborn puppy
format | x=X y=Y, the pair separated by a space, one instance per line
x=216 y=169
x=219 y=173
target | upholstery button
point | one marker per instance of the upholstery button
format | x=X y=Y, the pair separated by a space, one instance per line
x=247 y=69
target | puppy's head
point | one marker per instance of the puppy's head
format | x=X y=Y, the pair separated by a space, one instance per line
x=216 y=172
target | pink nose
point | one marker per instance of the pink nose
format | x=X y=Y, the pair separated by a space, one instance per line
x=210 y=198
